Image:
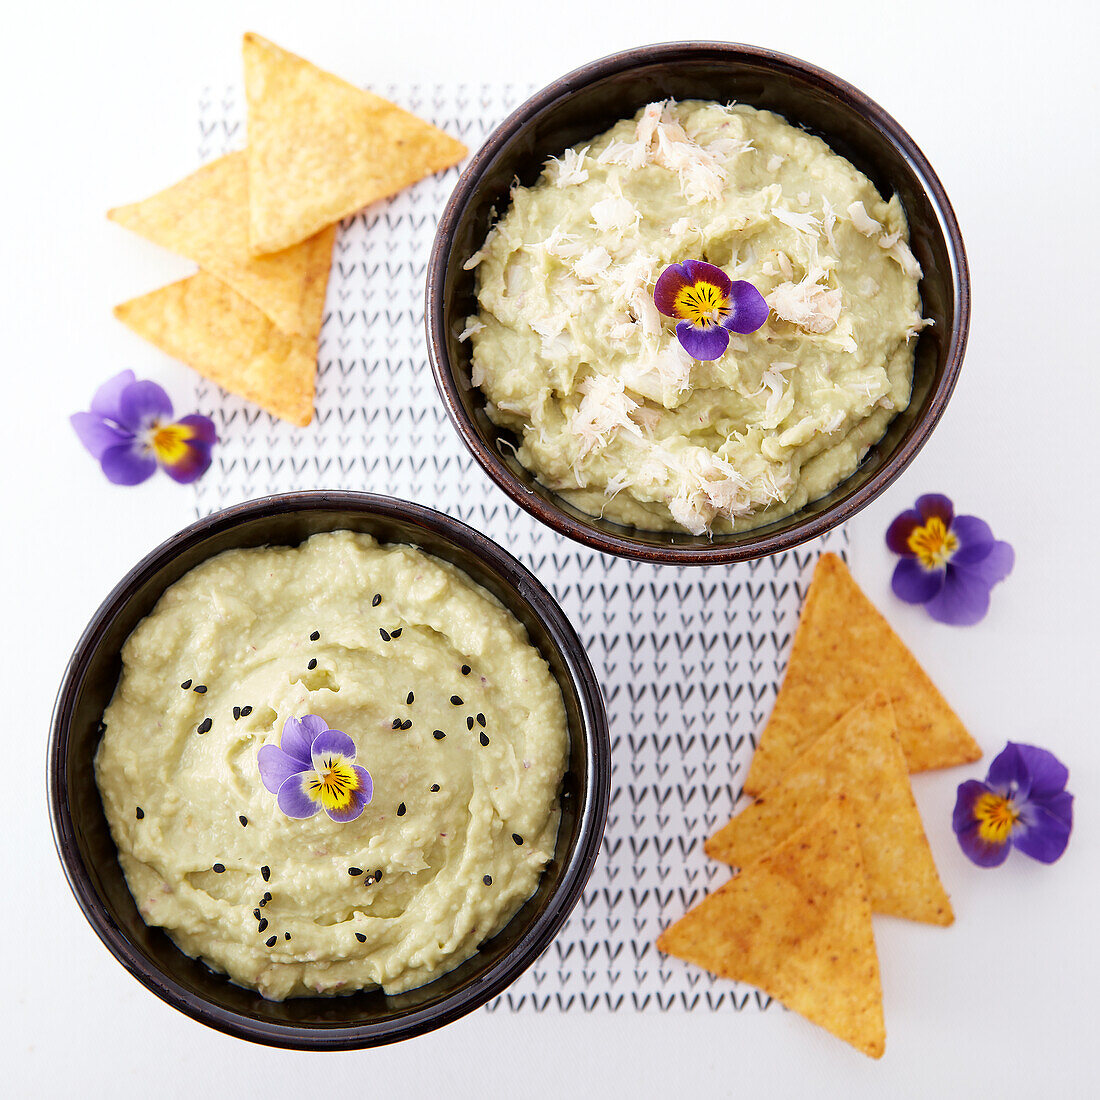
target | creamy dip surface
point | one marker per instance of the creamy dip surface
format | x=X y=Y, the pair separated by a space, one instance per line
x=613 y=414
x=452 y=711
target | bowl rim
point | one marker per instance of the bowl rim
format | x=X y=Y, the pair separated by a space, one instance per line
x=748 y=547
x=592 y=814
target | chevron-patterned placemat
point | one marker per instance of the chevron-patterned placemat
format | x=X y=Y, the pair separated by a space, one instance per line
x=689 y=659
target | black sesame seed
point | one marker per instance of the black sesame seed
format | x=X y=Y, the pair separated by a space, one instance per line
x=401 y=810
x=266 y=872
x=438 y=734
x=434 y=787
x=384 y=633
x=456 y=700
x=243 y=820
x=236 y=713
x=267 y=896
x=396 y=724
x=286 y=935
x=312 y=664
x=262 y=925
x=257 y=914
x=465 y=670
x=469 y=723
x=205 y=724
x=355 y=870
x=480 y=719
x=396 y=633
x=409 y=699
x=139 y=813
x=245 y=711
x=484 y=738
x=360 y=937
x=185 y=685
x=200 y=688
x=219 y=868
x=315 y=635
x=378 y=875
x=271 y=941
x=517 y=838
x=488 y=880
x=376 y=601
x=263 y=902
x=407 y=724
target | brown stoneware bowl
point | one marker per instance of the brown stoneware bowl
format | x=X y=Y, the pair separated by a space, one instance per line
x=589 y=101
x=367 y=1018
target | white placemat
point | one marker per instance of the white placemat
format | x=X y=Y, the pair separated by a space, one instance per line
x=689 y=659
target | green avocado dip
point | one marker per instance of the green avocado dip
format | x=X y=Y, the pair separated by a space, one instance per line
x=612 y=412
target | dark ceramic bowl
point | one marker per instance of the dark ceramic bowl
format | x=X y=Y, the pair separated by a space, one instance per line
x=362 y=1019
x=589 y=101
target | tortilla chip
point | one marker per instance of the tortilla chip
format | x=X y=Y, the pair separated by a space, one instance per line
x=861 y=758
x=227 y=339
x=205 y=218
x=797 y=924
x=843 y=651
x=320 y=148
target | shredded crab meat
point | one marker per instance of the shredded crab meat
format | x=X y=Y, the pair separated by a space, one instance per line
x=605 y=408
x=570 y=170
x=802 y=222
x=863 y=221
x=482 y=252
x=591 y=263
x=773 y=380
x=614 y=213
x=828 y=220
x=807 y=304
x=473 y=327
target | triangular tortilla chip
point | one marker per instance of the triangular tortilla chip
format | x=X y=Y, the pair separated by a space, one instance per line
x=227 y=339
x=861 y=758
x=797 y=924
x=843 y=651
x=205 y=218
x=320 y=148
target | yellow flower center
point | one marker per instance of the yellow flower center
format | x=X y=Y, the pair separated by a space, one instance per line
x=701 y=304
x=996 y=817
x=933 y=544
x=169 y=442
x=334 y=784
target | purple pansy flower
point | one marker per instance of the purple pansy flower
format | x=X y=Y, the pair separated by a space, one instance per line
x=130 y=431
x=709 y=306
x=1023 y=804
x=314 y=768
x=949 y=563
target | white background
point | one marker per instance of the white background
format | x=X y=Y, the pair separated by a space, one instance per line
x=100 y=107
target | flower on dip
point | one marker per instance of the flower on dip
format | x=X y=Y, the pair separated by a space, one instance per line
x=314 y=768
x=130 y=431
x=709 y=305
x=1023 y=804
x=948 y=562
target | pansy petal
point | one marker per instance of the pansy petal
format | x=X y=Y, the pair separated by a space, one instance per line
x=967 y=827
x=359 y=799
x=704 y=344
x=191 y=465
x=1046 y=833
x=990 y=569
x=1031 y=771
x=127 y=464
x=671 y=281
x=294 y=798
x=141 y=403
x=699 y=271
x=332 y=743
x=913 y=583
x=974 y=537
x=748 y=310
x=200 y=428
x=105 y=403
x=97 y=434
x=296 y=740
x=936 y=504
x=312 y=725
x=897 y=534
x=276 y=767
x=962 y=601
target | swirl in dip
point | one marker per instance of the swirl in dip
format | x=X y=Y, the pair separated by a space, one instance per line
x=613 y=414
x=451 y=709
